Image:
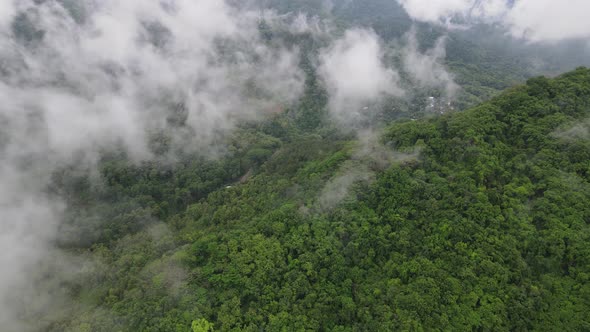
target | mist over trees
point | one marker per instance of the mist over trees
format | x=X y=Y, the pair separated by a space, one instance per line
x=323 y=165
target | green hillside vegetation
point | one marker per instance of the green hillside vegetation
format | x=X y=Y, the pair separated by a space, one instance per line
x=486 y=229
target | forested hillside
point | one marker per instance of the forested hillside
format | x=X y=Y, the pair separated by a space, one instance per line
x=280 y=165
x=475 y=220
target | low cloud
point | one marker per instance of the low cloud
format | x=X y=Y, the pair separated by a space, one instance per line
x=427 y=69
x=578 y=132
x=6 y=13
x=354 y=73
x=434 y=11
x=549 y=20
x=79 y=77
x=114 y=69
x=370 y=157
x=533 y=20
x=304 y=23
x=339 y=187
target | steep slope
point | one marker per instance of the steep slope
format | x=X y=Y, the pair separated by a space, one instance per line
x=487 y=229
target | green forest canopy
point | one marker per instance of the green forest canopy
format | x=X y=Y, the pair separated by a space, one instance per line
x=488 y=228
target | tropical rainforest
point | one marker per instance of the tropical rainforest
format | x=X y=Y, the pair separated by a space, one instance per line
x=461 y=204
x=484 y=227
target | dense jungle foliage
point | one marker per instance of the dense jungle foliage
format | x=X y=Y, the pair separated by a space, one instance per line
x=478 y=221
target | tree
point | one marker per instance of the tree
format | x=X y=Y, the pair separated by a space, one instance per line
x=202 y=325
